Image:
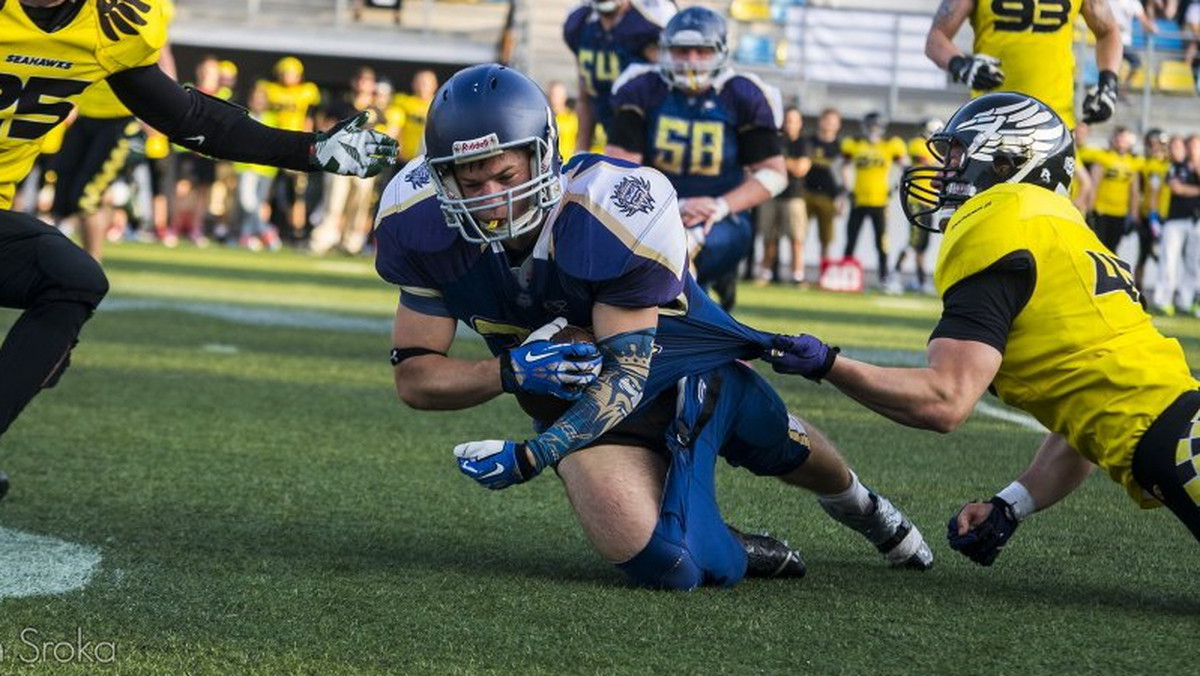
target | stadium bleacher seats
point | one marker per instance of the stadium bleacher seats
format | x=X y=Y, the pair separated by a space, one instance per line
x=755 y=49
x=1175 y=77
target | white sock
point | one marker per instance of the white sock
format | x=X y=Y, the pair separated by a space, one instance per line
x=854 y=500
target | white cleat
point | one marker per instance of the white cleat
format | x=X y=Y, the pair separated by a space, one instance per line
x=890 y=531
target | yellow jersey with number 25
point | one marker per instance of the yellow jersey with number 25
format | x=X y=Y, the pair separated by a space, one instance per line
x=1083 y=356
x=42 y=73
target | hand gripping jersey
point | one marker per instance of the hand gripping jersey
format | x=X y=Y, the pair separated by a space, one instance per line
x=615 y=238
x=42 y=73
x=873 y=162
x=1082 y=356
x=693 y=139
x=1033 y=40
x=603 y=55
x=1118 y=172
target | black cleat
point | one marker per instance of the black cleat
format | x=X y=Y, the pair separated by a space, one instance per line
x=3 y=484
x=769 y=557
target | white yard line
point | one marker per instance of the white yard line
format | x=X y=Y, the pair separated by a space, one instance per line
x=39 y=565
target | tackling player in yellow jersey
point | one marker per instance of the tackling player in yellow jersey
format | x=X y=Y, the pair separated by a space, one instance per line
x=1026 y=46
x=1035 y=306
x=53 y=50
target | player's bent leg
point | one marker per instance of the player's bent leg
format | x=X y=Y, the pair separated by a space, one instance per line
x=615 y=492
x=58 y=286
x=1165 y=464
x=769 y=441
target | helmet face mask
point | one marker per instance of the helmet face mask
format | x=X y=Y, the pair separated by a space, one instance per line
x=997 y=138
x=487 y=112
x=693 y=31
x=605 y=6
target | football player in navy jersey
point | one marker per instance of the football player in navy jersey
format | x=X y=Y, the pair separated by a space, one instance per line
x=712 y=131
x=659 y=394
x=607 y=36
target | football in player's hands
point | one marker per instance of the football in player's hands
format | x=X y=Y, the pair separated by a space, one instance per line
x=547 y=407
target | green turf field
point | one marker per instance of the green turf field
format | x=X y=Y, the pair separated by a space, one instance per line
x=229 y=442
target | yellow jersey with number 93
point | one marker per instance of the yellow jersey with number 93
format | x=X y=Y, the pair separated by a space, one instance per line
x=1033 y=40
x=42 y=73
x=1082 y=357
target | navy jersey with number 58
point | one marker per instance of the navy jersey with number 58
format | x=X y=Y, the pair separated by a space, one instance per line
x=693 y=139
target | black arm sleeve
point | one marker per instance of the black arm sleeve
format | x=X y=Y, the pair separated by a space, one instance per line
x=629 y=131
x=757 y=144
x=982 y=307
x=206 y=124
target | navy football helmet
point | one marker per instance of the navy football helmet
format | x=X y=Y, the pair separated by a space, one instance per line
x=1003 y=137
x=693 y=27
x=478 y=113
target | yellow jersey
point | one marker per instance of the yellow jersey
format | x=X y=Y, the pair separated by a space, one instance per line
x=568 y=132
x=290 y=104
x=1034 y=41
x=1083 y=357
x=1117 y=174
x=42 y=74
x=412 y=134
x=873 y=162
x=99 y=101
x=1155 y=192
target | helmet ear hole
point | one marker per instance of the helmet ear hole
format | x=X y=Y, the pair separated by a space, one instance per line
x=1005 y=167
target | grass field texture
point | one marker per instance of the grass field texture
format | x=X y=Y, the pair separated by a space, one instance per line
x=228 y=440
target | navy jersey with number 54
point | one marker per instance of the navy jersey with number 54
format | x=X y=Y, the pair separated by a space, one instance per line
x=616 y=238
x=601 y=55
x=693 y=139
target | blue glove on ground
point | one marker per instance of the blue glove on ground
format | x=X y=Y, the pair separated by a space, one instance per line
x=983 y=543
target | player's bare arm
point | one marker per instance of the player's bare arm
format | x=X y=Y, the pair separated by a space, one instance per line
x=426 y=379
x=1100 y=20
x=939 y=397
x=1055 y=472
x=947 y=21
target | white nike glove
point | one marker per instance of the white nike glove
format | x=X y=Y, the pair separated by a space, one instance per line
x=353 y=149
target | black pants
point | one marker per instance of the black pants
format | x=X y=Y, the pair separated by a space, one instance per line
x=1110 y=230
x=1166 y=471
x=94 y=152
x=58 y=286
x=879 y=223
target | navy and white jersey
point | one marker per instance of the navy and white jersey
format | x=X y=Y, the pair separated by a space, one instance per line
x=693 y=139
x=602 y=55
x=616 y=238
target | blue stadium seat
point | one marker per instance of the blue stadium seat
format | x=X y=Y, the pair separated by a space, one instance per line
x=779 y=9
x=755 y=49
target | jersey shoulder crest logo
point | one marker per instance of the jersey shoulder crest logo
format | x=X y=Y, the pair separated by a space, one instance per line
x=632 y=195
x=121 y=17
x=418 y=178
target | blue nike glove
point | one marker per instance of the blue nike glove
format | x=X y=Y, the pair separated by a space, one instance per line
x=801 y=355
x=539 y=366
x=984 y=541
x=496 y=464
x=352 y=148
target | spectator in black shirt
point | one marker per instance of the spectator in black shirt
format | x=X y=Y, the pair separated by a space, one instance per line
x=1176 y=291
x=823 y=193
x=785 y=214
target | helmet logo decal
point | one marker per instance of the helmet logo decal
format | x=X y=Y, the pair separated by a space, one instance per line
x=472 y=149
x=632 y=196
x=418 y=178
x=1012 y=130
x=1045 y=175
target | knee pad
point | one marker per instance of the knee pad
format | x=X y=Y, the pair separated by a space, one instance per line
x=663 y=564
x=70 y=273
